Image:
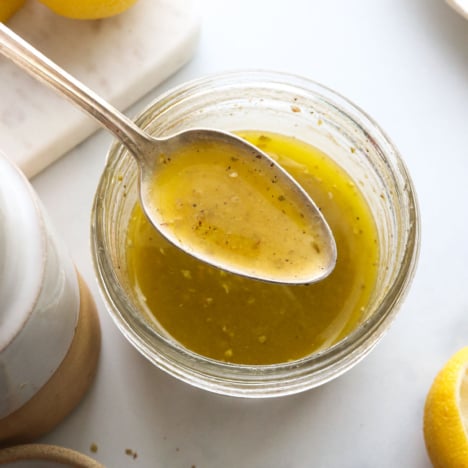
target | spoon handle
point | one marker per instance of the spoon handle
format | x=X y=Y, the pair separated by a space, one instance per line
x=39 y=66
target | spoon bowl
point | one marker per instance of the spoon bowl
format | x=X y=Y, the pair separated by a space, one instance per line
x=213 y=196
x=305 y=251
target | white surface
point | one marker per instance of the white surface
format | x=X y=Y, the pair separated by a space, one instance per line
x=406 y=64
x=120 y=58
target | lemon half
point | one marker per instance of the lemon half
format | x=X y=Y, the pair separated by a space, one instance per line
x=8 y=8
x=88 y=9
x=446 y=414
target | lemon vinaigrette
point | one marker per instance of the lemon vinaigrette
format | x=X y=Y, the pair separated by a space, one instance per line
x=230 y=209
x=231 y=318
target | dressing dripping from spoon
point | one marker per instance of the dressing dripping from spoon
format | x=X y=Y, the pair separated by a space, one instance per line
x=210 y=193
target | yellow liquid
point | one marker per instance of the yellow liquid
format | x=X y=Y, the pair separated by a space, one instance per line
x=230 y=318
x=231 y=209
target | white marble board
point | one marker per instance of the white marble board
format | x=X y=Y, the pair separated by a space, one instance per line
x=121 y=58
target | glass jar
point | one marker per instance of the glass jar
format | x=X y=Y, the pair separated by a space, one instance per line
x=288 y=105
x=49 y=329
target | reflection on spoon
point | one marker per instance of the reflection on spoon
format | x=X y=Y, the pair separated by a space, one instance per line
x=211 y=193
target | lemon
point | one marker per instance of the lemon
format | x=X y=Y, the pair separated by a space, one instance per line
x=88 y=9
x=9 y=7
x=446 y=414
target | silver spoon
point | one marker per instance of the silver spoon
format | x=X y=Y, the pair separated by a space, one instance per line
x=312 y=257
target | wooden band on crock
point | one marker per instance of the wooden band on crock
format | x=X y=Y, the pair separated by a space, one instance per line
x=44 y=452
x=64 y=390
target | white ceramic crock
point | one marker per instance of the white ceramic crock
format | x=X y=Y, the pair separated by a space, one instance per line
x=40 y=306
